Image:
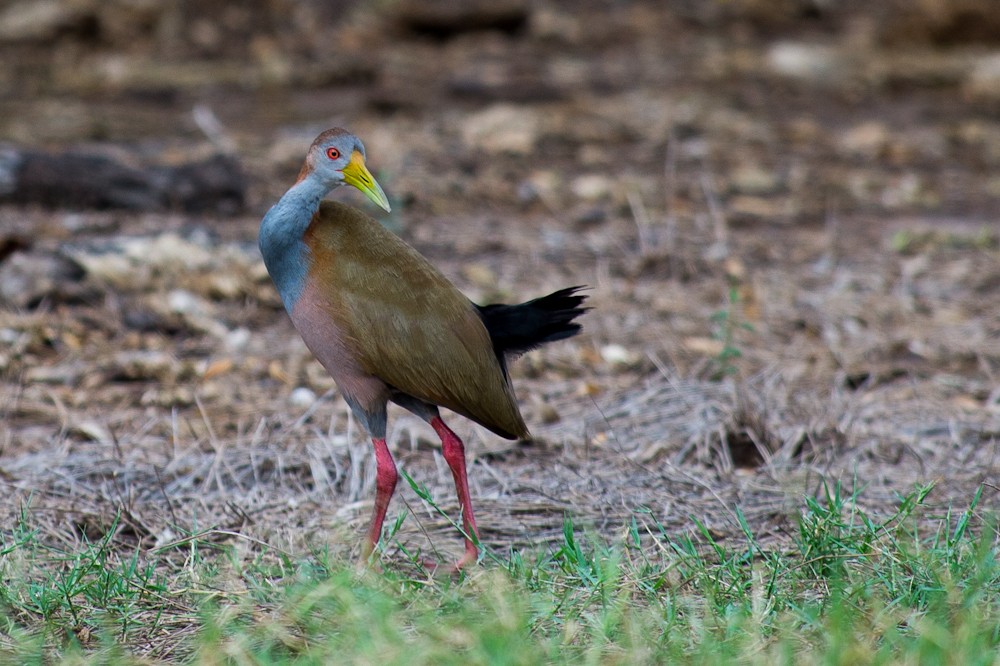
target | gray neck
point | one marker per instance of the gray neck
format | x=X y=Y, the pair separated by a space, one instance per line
x=281 y=238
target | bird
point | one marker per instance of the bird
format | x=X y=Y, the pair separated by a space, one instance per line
x=388 y=326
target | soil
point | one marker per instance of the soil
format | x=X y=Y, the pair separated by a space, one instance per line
x=786 y=213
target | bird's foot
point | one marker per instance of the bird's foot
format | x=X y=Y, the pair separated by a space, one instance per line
x=435 y=568
x=366 y=564
x=470 y=558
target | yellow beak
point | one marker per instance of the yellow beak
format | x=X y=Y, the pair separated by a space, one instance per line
x=357 y=174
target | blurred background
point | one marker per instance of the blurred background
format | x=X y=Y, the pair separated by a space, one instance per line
x=787 y=100
x=786 y=210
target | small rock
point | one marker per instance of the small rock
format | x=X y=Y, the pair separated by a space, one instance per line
x=213 y=390
x=196 y=312
x=502 y=128
x=316 y=375
x=63 y=375
x=119 y=262
x=735 y=269
x=237 y=339
x=29 y=277
x=302 y=397
x=168 y=251
x=808 y=62
x=592 y=187
x=556 y=240
x=37 y=19
x=755 y=180
x=480 y=275
x=165 y=536
x=903 y=191
x=618 y=355
x=756 y=207
x=144 y=365
x=176 y=396
x=184 y=302
x=10 y=164
x=149 y=316
x=549 y=23
x=541 y=186
x=259 y=274
x=548 y=414
x=108 y=267
x=224 y=286
x=983 y=80
x=868 y=139
x=591 y=217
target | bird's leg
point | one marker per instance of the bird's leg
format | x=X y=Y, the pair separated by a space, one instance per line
x=385 y=484
x=369 y=409
x=454 y=455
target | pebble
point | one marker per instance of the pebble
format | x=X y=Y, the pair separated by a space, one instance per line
x=224 y=286
x=237 y=339
x=302 y=397
x=28 y=277
x=618 y=355
x=63 y=374
x=144 y=365
x=809 y=62
x=165 y=536
x=548 y=414
x=868 y=139
x=592 y=187
x=120 y=262
x=36 y=19
x=480 y=275
x=184 y=302
x=543 y=186
x=983 y=80
x=758 y=207
x=502 y=128
x=755 y=180
x=167 y=250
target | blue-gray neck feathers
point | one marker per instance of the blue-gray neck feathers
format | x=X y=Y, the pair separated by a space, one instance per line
x=281 y=238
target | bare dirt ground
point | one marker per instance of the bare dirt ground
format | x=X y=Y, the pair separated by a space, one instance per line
x=786 y=212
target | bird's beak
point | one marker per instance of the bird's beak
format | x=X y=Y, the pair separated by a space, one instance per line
x=357 y=174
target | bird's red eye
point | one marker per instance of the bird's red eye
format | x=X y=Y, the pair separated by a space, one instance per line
x=333 y=153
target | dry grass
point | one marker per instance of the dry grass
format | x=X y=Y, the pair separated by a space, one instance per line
x=851 y=380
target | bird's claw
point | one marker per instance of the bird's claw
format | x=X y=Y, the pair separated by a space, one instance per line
x=434 y=567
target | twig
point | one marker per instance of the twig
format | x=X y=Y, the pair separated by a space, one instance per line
x=210 y=125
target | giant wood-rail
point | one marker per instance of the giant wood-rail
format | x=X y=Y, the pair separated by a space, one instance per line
x=388 y=326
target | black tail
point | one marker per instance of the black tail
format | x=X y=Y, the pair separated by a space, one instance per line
x=515 y=329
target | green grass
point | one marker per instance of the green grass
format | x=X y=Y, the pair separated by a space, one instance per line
x=727 y=323
x=918 y=586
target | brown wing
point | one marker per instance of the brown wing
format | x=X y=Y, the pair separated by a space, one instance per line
x=410 y=326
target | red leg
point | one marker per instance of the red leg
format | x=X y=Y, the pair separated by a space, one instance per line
x=454 y=455
x=385 y=484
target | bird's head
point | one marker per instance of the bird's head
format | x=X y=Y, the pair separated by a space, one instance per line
x=336 y=158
